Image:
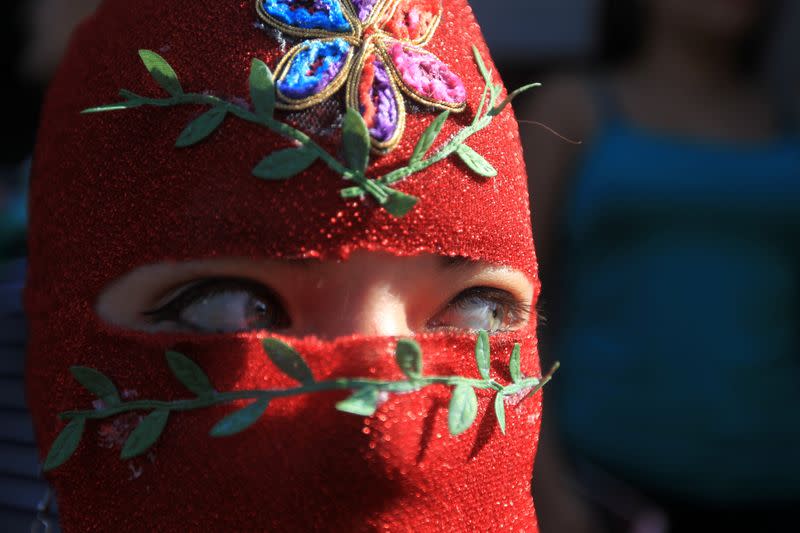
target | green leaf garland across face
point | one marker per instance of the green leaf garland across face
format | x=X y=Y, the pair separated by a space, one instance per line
x=463 y=409
x=409 y=358
x=288 y=360
x=500 y=411
x=482 y=355
x=188 y=373
x=146 y=434
x=363 y=402
x=97 y=383
x=65 y=444
x=240 y=420
x=366 y=395
x=514 y=364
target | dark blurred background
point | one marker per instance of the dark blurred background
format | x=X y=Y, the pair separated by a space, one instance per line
x=34 y=34
x=666 y=197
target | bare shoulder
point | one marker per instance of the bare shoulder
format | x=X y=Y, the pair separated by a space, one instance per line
x=564 y=104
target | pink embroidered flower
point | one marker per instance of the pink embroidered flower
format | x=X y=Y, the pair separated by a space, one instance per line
x=373 y=48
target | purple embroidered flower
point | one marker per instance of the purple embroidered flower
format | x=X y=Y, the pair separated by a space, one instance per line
x=364 y=8
x=374 y=48
x=382 y=97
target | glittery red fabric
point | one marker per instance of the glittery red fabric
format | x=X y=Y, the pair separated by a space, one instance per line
x=110 y=192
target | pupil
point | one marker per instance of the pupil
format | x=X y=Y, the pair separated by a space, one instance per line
x=260 y=308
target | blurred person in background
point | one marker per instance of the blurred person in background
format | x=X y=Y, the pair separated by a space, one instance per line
x=669 y=243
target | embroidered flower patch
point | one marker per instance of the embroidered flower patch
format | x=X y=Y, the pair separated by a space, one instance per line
x=372 y=47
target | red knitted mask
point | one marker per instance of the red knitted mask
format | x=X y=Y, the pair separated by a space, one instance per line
x=111 y=192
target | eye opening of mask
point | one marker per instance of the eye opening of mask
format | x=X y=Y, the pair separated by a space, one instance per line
x=505 y=310
x=320 y=298
x=269 y=311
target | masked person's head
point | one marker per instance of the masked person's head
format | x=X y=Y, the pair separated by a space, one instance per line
x=287 y=232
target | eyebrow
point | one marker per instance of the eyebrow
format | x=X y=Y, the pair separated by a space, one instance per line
x=457 y=262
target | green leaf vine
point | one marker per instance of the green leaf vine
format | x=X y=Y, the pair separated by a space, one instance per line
x=364 y=400
x=287 y=163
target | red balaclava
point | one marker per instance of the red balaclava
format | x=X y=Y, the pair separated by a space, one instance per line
x=111 y=192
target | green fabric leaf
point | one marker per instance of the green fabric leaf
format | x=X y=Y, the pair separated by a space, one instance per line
x=285 y=164
x=65 y=444
x=481 y=65
x=130 y=104
x=161 y=71
x=515 y=388
x=364 y=402
x=500 y=411
x=428 y=138
x=288 y=360
x=476 y=161
x=188 y=373
x=200 y=128
x=96 y=383
x=262 y=89
x=146 y=434
x=240 y=420
x=409 y=358
x=463 y=409
x=514 y=365
x=355 y=137
x=496 y=90
x=510 y=98
x=129 y=95
x=352 y=192
x=545 y=379
x=482 y=354
x=399 y=204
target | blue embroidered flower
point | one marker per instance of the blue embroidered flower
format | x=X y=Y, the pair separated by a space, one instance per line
x=309 y=14
x=326 y=59
x=374 y=47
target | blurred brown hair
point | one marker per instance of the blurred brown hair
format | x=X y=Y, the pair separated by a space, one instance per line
x=623 y=26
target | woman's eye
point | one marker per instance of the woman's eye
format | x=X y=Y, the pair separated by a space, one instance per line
x=483 y=308
x=222 y=306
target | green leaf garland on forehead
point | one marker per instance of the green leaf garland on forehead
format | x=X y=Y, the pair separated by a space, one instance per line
x=358 y=142
x=366 y=395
